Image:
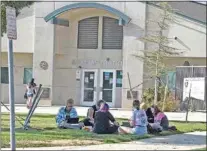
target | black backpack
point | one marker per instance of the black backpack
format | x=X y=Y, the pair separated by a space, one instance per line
x=152 y=131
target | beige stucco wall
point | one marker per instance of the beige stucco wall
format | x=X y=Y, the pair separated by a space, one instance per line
x=189 y=33
x=43 y=47
x=132 y=65
x=21 y=61
x=25 y=36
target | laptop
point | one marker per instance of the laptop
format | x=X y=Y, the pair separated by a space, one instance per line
x=73 y=120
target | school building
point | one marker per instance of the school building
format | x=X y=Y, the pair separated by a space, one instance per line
x=84 y=50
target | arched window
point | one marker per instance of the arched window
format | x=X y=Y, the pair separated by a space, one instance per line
x=88 y=33
x=186 y=63
x=112 y=34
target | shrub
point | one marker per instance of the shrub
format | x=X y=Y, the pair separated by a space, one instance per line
x=170 y=103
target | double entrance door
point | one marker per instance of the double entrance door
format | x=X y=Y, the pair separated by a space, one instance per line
x=97 y=85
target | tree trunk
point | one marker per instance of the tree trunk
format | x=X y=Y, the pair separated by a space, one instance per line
x=165 y=95
x=130 y=86
x=189 y=97
x=156 y=86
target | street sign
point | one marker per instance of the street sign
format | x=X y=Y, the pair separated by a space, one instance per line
x=12 y=35
x=11 y=23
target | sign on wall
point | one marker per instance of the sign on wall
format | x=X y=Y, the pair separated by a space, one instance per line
x=11 y=23
x=197 y=88
x=78 y=74
x=44 y=65
x=134 y=93
x=46 y=93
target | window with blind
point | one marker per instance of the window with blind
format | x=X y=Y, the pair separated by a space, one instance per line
x=112 y=34
x=88 y=33
x=27 y=75
x=4 y=75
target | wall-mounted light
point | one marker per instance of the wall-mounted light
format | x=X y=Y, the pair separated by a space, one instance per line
x=181 y=42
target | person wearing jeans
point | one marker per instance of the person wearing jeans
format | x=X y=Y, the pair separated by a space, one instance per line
x=138 y=122
x=66 y=113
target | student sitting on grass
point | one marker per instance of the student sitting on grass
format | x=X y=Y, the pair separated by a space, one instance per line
x=138 y=122
x=67 y=116
x=89 y=121
x=104 y=122
x=160 y=120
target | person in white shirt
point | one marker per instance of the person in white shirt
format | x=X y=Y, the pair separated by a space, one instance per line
x=138 y=122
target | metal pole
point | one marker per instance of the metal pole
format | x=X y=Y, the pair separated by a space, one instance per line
x=11 y=96
x=33 y=109
x=33 y=102
x=189 y=98
x=15 y=116
x=165 y=94
x=130 y=86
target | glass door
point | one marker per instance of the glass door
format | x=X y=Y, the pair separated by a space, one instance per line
x=107 y=86
x=89 y=84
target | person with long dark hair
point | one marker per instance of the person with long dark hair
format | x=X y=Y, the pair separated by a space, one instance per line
x=160 y=120
x=149 y=113
x=30 y=92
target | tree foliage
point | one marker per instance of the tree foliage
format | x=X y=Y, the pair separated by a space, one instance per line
x=18 y=5
x=155 y=55
x=159 y=44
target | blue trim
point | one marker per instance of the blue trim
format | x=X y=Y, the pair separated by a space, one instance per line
x=60 y=22
x=116 y=12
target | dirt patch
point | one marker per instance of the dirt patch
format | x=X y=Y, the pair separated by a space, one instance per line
x=60 y=143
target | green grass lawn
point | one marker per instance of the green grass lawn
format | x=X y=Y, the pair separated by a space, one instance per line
x=201 y=149
x=46 y=134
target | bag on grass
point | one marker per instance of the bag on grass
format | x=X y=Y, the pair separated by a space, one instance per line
x=152 y=130
x=172 y=128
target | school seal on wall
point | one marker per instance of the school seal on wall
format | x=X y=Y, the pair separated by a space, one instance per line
x=44 y=65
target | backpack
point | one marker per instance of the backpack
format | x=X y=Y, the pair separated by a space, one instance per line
x=152 y=131
x=172 y=128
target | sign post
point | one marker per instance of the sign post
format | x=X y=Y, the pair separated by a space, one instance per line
x=12 y=35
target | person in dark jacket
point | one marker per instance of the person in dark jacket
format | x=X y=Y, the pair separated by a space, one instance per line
x=150 y=116
x=89 y=121
x=104 y=122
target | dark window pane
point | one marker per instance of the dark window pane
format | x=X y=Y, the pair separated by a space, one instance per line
x=107 y=80
x=4 y=75
x=107 y=95
x=27 y=75
x=88 y=95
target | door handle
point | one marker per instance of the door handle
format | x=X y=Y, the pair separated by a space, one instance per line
x=94 y=89
x=101 y=88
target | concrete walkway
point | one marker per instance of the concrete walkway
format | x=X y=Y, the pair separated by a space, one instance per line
x=175 y=116
x=188 y=141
